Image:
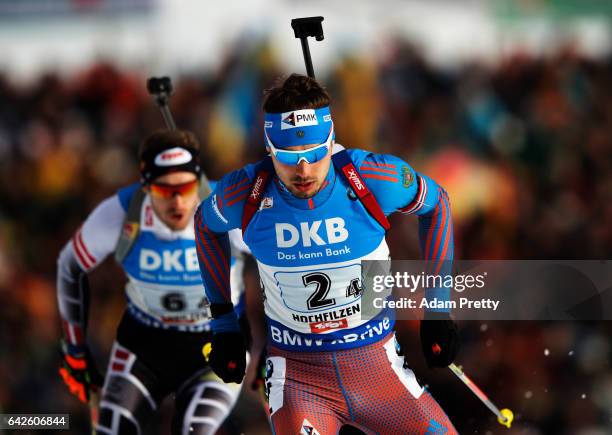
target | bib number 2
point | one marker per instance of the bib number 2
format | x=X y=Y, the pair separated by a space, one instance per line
x=308 y=291
x=322 y=284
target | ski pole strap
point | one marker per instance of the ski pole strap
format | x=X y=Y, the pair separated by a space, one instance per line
x=344 y=165
x=131 y=226
x=262 y=178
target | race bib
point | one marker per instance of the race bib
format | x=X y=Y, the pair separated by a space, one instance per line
x=318 y=301
x=171 y=306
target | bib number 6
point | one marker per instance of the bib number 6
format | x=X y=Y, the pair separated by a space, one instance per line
x=174 y=302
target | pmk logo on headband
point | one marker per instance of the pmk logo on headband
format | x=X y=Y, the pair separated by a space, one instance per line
x=298 y=118
x=173 y=157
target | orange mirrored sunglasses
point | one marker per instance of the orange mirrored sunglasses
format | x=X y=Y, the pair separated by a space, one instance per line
x=168 y=191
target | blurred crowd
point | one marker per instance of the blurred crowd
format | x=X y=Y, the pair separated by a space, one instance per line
x=524 y=148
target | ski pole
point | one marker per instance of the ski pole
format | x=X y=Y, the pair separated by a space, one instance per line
x=304 y=28
x=160 y=88
x=94 y=407
x=504 y=417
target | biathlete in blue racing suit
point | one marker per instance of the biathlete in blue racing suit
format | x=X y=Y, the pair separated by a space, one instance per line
x=309 y=219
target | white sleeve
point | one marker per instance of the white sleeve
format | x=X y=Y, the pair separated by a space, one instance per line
x=236 y=242
x=98 y=236
x=238 y=248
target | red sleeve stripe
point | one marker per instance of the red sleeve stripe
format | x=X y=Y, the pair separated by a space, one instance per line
x=204 y=260
x=441 y=230
x=73 y=333
x=382 y=165
x=87 y=254
x=379 y=177
x=449 y=232
x=117 y=367
x=235 y=192
x=78 y=332
x=419 y=200
x=431 y=230
x=68 y=332
x=235 y=184
x=445 y=194
x=386 y=171
x=224 y=272
x=121 y=354
x=82 y=262
x=224 y=261
x=203 y=253
x=86 y=260
x=235 y=200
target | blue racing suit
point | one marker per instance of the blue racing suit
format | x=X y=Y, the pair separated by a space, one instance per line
x=309 y=254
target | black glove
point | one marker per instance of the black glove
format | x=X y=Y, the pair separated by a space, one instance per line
x=228 y=356
x=79 y=372
x=439 y=339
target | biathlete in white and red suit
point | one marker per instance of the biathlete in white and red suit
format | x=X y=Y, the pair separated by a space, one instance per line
x=158 y=349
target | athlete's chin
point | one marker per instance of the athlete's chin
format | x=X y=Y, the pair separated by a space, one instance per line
x=301 y=195
x=305 y=190
x=304 y=194
x=176 y=221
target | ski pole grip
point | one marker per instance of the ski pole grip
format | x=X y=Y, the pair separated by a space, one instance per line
x=160 y=88
x=303 y=28
x=308 y=26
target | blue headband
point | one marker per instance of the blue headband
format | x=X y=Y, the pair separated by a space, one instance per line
x=298 y=127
